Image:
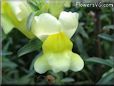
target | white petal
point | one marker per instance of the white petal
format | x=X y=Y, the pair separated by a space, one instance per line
x=69 y=21
x=41 y=65
x=59 y=62
x=77 y=63
x=44 y=25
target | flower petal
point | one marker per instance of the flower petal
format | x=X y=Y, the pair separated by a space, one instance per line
x=20 y=8
x=59 y=61
x=41 y=65
x=57 y=43
x=69 y=22
x=76 y=62
x=44 y=25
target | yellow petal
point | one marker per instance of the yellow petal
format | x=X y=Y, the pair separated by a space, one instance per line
x=57 y=43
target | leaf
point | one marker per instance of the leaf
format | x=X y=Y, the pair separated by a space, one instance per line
x=6 y=63
x=6 y=46
x=106 y=37
x=82 y=31
x=100 y=61
x=4 y=53
x=103 y=16
x=107 y=77
x=26 y=79
x=112 y=9
x=68 y=80
x=108 y=27
x=112 y=60
x=33 y=4
x=33 y=45
x=80 y=46
x=29 y=20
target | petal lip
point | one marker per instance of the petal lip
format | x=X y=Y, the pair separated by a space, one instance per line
x=59 y=61
x=77 y=63
x=41 y=65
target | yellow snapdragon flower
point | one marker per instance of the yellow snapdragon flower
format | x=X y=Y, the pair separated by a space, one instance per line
x=58 y=56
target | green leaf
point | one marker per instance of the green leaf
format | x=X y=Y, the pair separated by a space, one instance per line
x=106 y=37
x=6 y=63
x=33 y=4
x=104 y=16
x=82 y=31
x=112 y=9
x=112 y=60
x=81 y=47
x=25 y=79
x=108 y=27
x=107 y=78
x=29 y=20
x=100 y=61
x=68 y=80
x=33 y=45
